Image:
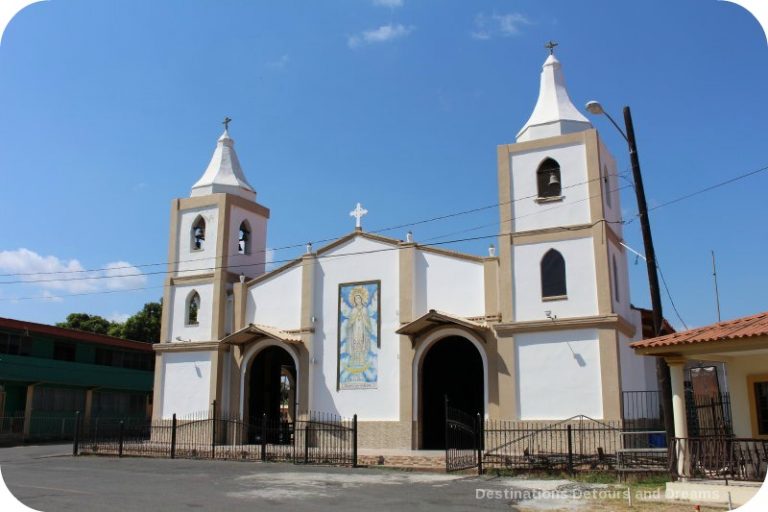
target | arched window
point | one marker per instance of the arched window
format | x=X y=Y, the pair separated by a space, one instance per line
x=553 y=275
x=606 y=187
x=198 y=234
x=244 y=239
x=193 y=308
x=616 y=280
x=548 y=179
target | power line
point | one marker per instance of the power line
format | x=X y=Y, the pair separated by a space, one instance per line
x=291 y=246
x=669 y=295
x=247 y=265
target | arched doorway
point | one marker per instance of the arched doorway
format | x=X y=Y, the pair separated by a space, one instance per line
x=452 y=367
x=272 y=386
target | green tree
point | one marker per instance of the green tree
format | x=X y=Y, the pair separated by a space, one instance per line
x=144 y=325
x=86 y=322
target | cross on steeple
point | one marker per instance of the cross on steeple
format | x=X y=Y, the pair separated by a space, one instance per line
x=226 y=122
x=551 y=47
x=358 y=213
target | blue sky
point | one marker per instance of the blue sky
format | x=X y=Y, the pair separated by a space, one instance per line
x=111 y=109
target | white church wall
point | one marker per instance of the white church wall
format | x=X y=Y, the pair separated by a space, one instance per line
x=186 y=383
x=610 y=185
x=381 y=403
x=179 y=327
x=579 y=274
x=205 y=258
x=251 y=265
x=573 y=209
x=558 y=374
x=448 y=284
x=621 y=303
x=276 y=301
x=634 y=375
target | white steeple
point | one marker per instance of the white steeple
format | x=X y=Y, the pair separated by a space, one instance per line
x=224 y=173
x=554 y=113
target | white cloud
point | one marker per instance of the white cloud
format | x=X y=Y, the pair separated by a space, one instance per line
x=50 y=297
x=382 y=34
x=388 y=3
x=52 y=273
x=498 y=25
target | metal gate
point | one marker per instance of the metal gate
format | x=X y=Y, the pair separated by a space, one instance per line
x=463 y=440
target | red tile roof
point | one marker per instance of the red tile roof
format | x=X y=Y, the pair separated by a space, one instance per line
x=746 y=327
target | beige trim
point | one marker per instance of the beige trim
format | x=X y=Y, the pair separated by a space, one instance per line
x=306 y=367
x=195 y=279
x=240 y=298
x=751 y=381
x=219 y=287
x=610 y=373
x=187 y=346
x=556 y=234
x=592 y=148
x=506 y=259
x=491 y=287
x=602 y=269
x=507 y=371
x=450 y=253
x=272 y=273
x=569 y=139
x=554 y=298
x=245 y=204
x=407 y=270
x=252 y=332
x=428 y=321
x=586 y=322
x=351 y=236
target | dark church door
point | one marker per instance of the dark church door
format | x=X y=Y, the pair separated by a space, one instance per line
x=452 y=367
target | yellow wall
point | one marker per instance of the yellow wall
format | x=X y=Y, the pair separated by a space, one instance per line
x=738 y=370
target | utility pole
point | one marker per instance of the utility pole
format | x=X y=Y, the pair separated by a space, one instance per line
x=662 y=369
x=717 y=291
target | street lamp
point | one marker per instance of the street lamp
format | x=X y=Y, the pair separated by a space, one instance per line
x=662 y=370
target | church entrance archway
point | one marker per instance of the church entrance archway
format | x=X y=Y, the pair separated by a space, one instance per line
x=272 y=386
x=452 y=367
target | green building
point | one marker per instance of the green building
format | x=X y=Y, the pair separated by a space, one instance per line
x=48 y=373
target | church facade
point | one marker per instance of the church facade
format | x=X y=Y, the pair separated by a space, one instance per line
x=388 y=329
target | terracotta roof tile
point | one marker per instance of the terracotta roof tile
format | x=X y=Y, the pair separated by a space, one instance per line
x=746 y=327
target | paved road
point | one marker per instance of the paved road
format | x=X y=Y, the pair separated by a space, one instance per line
x=47 y=478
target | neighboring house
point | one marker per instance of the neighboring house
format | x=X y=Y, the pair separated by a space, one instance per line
x=47 y=373
x=739 y=450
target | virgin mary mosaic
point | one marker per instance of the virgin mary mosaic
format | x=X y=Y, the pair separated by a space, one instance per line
x=359 y=331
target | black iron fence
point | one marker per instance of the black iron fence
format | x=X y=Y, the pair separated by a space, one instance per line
x=576 y=444
x=13 y=429
x=463 y=440
x=719 y=458
x=315 y=438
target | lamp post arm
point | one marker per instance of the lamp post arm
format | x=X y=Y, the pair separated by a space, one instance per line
x=618 y=127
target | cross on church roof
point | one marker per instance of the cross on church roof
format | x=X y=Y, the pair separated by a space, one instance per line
x=551 y=47
x=358 y=213
x=226 y=122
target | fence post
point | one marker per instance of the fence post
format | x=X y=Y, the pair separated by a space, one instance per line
x=213 y=430
x=173 y=436
x=120 y=439
x=306 y=439
x=354 y=441
x=570 y=449
x=479 y=442
x=76 y=440
x=263 y=437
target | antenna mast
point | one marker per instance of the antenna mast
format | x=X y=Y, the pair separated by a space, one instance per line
x=717 y=291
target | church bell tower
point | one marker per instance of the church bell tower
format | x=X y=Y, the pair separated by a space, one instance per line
x=217 y=235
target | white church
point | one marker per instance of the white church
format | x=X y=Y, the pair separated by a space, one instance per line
x=386 y=328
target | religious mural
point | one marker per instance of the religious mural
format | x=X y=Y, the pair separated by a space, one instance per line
x=359 y=331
